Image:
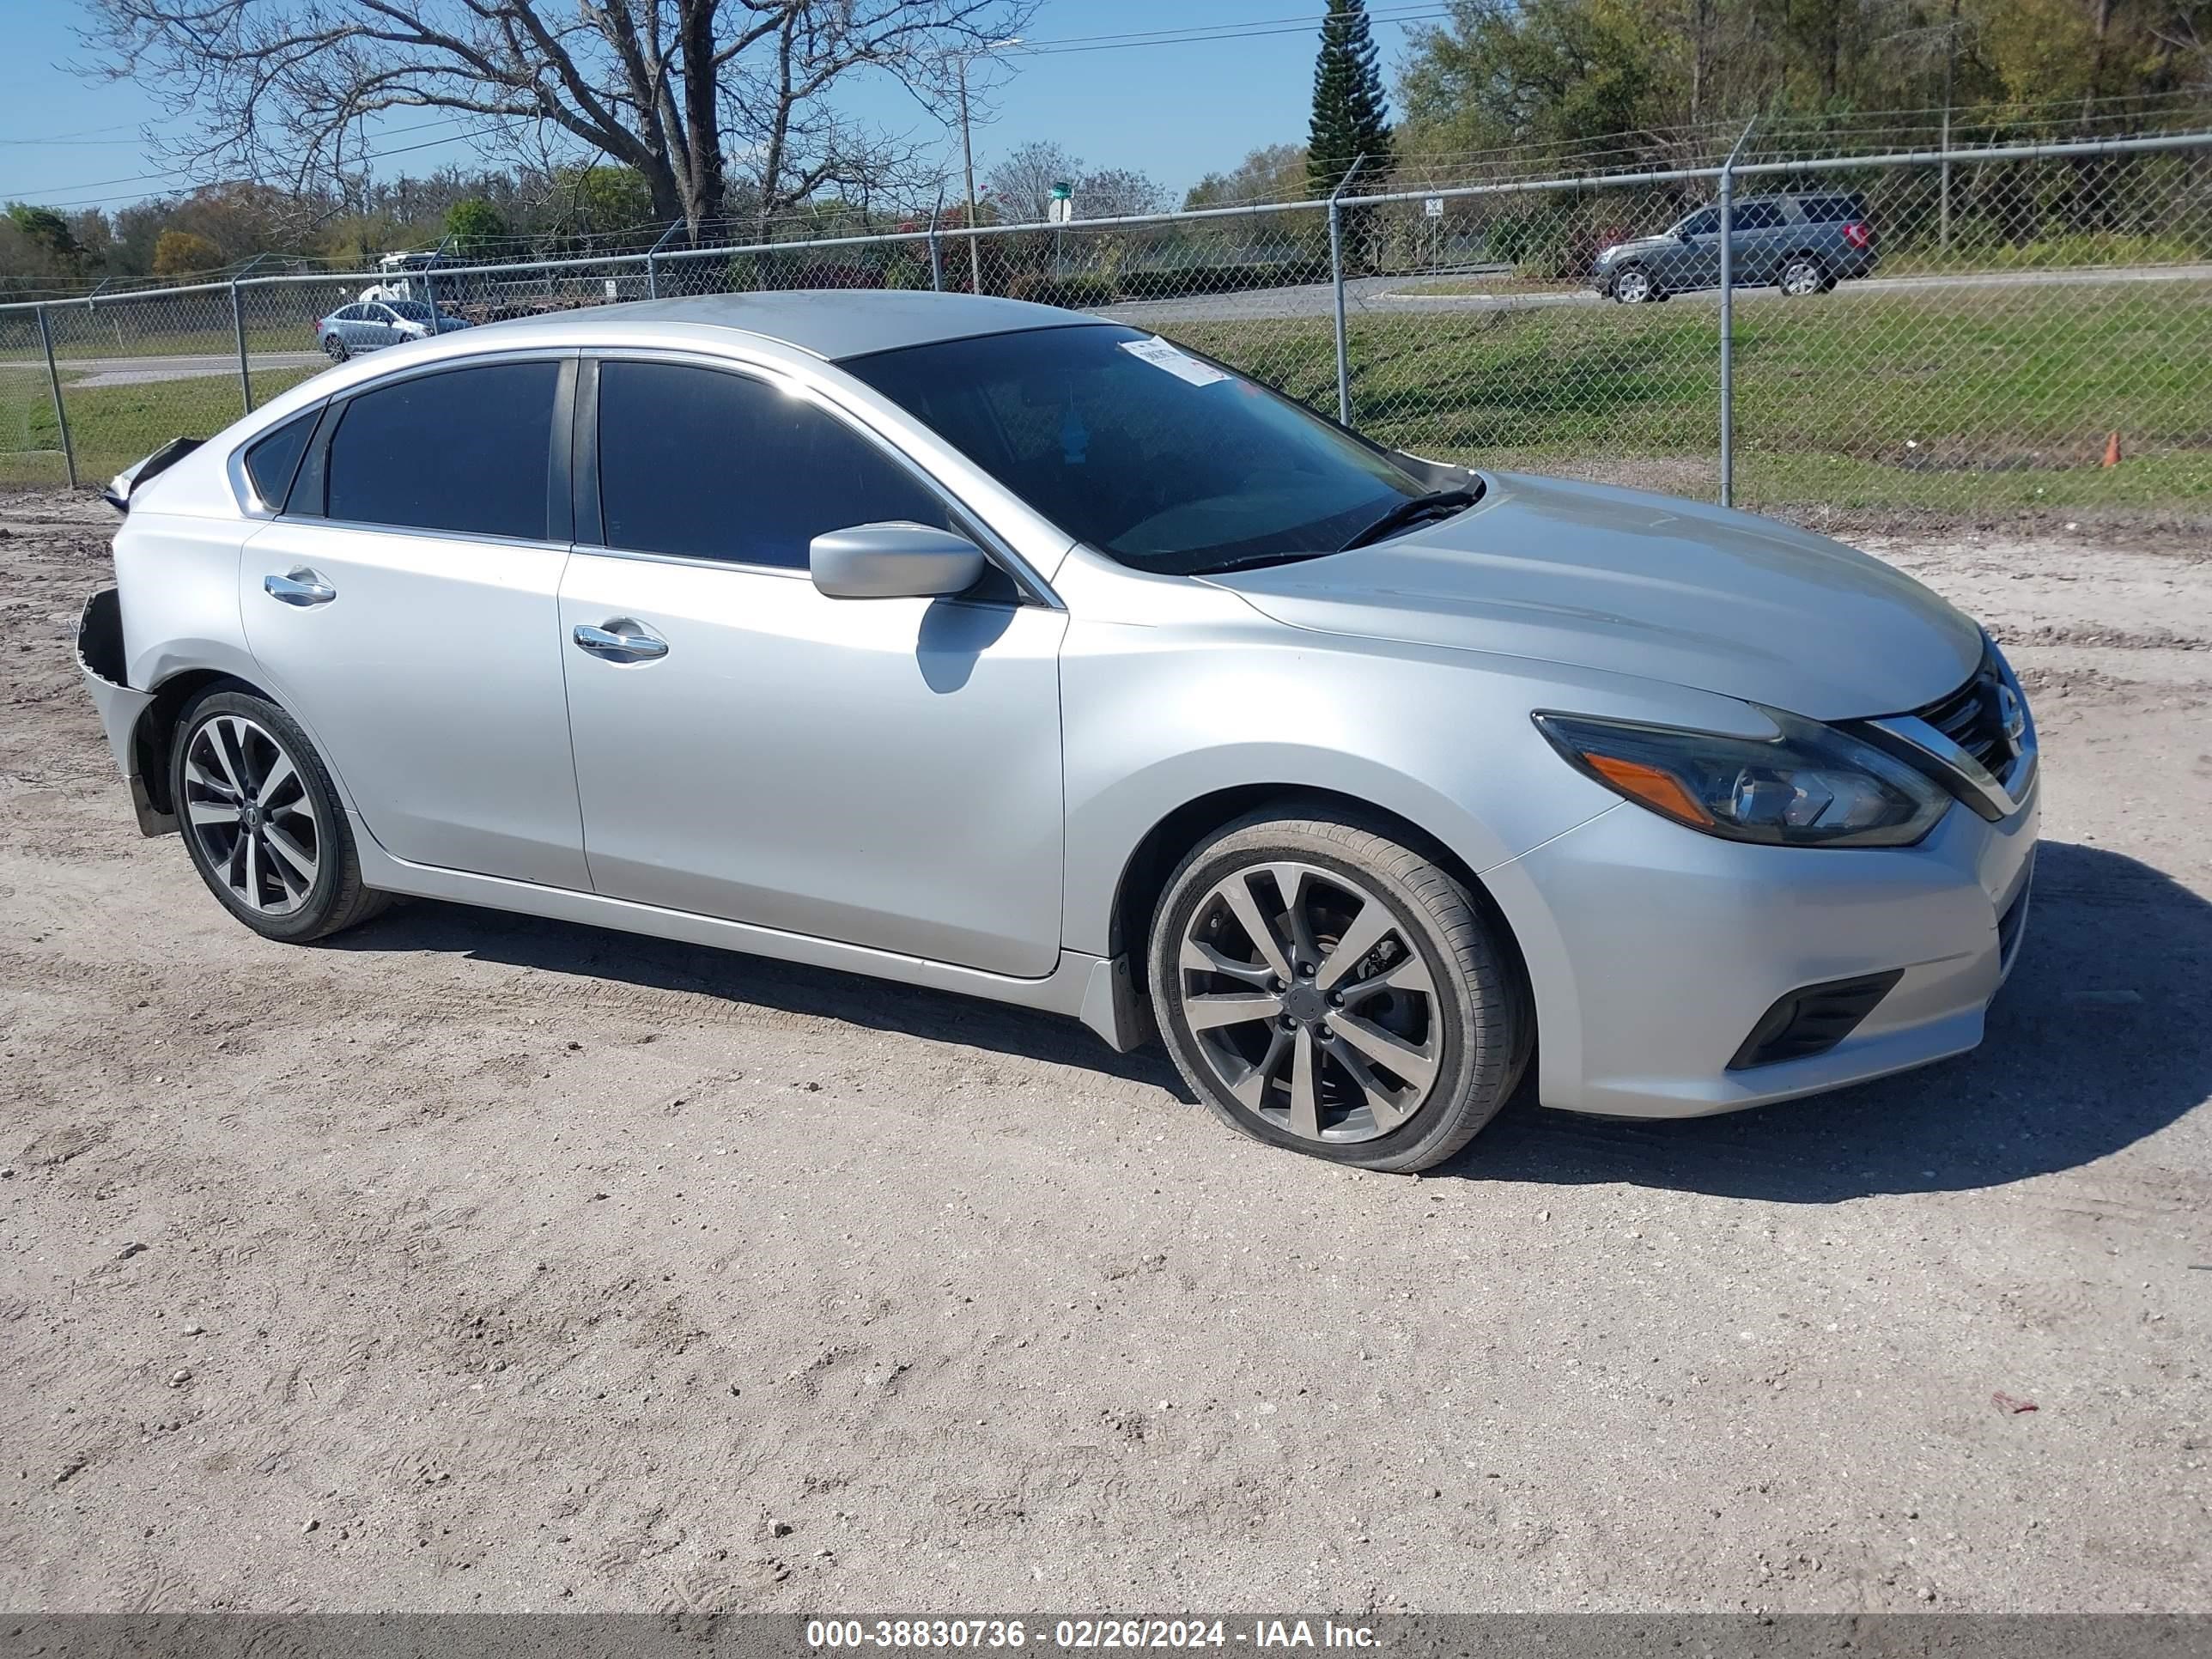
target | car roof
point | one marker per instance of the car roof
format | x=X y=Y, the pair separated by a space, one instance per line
x=832 y=323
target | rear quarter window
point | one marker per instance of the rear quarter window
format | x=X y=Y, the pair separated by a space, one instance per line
x=271 y=461
x=1831 y=210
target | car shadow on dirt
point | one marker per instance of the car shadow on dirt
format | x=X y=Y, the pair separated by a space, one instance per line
x=560 y=947
x=2097 y=1040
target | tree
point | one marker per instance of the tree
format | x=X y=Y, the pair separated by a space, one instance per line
x=45 y=228
x=1350 y=118
x=682 y=92
x=1118 y=193
x=1021 y=184
x=472 y=225
x=184 y=253
x=1273 y=173
x=1552 y=72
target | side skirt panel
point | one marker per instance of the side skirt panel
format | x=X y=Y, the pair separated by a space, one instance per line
x=1078 y=986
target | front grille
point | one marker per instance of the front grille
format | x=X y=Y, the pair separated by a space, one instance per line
x=1973 y=718
x=1812 y=1019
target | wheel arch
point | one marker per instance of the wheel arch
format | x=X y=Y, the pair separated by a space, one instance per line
x=1145 y=872
x=155 y=737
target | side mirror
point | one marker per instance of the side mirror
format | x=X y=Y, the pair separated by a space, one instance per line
x=897 y=561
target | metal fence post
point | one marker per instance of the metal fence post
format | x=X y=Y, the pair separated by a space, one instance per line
x=54 y=380
x=1336 y=279
x=1728 y=321
x=936 y=254
x=238 y=328
x=652 y=260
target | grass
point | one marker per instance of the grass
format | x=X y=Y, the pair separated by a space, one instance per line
x=112 y=426
x=1961 y=398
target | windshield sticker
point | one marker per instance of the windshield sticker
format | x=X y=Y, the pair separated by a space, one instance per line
x=1180 y=364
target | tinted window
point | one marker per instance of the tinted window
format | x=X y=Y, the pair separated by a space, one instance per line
x=1707 y=223
x=1156 y=457
x=1831 y=210
x=466 y=450
x=414 y=311
x=1757 y=215
x=718 y=466
x=271 y=462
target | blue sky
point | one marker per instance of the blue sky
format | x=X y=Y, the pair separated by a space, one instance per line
x=1174 y=110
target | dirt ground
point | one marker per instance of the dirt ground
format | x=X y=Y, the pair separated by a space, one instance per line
x=470 y=1261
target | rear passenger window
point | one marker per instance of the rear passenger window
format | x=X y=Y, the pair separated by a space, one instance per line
x=466 y=450
x=271 y=461
x=1756 y=216
x=716 y=466
x=1829 y=209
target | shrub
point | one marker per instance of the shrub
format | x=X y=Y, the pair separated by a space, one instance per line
x=1074 y=293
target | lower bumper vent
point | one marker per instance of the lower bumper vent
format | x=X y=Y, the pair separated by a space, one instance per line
x=1812 y=1019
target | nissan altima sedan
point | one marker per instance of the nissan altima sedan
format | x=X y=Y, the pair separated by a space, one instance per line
x=1006 y=650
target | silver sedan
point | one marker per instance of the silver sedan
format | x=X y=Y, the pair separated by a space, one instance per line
x=1001 y=649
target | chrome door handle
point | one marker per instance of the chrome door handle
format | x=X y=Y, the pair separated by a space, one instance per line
x=622 y=639
x=298 y=585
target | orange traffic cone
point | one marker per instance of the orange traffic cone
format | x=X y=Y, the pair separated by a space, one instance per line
x=2112 y=450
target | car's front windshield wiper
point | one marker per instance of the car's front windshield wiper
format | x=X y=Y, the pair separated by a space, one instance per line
x=1436 y=503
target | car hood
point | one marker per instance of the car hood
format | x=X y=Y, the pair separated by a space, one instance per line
x=1638 y=245
x=1628 y=582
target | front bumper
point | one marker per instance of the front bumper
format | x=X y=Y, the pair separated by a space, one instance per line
x=1654 y=951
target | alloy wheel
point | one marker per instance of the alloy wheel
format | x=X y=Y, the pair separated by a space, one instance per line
x=248 y=811
x=1632 y=287
x=1308 y=1002
x=1801 y=278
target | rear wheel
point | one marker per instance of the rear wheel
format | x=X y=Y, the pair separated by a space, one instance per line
x=1802 y=274
x=262 y=820
x=1325 y=989
x=336 y=347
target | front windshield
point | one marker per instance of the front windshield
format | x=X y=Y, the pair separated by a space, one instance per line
x=414 y=311
x=1158 y=458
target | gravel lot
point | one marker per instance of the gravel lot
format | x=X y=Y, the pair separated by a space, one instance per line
x=470 y=1261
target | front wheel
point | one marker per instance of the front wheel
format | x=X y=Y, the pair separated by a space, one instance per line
x=1324 y=987
x=1634 y=287
x=263 y=822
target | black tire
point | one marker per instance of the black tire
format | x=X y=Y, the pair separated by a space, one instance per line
x=336 y=350
x=1477 y=1024
x=334 y=899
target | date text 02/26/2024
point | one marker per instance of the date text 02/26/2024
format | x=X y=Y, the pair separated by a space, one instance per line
x=1085 y=1633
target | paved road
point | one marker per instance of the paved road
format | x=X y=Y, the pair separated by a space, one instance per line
x=1373 y=295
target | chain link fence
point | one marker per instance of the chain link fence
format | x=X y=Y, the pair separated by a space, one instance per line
x=1966 y=333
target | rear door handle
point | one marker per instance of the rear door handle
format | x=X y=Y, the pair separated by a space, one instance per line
x=625 y=638
x=298 y=585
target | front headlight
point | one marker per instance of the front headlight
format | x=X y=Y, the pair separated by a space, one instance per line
x=1810 y=787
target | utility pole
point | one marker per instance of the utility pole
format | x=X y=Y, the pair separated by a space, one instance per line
x=968 y=155
x=968 y=161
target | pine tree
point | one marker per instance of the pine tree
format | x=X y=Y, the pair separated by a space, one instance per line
x=1350 y=119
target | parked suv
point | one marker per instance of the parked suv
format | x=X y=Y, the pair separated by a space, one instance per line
x=1802 y=244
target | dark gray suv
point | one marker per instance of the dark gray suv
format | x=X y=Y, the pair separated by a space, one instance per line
x=1802 y=243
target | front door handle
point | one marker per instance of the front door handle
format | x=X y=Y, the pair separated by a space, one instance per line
x=625 y=638
x=298 y=585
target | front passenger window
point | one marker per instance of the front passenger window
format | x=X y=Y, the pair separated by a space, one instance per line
x=716 y=466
